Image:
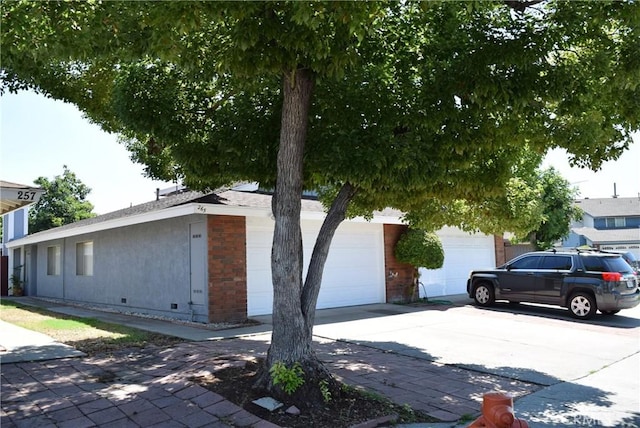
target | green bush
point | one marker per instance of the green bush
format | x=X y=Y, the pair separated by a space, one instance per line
x=420 y=249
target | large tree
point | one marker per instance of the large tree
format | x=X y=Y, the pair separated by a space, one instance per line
x=64 y=201
x=434 y=108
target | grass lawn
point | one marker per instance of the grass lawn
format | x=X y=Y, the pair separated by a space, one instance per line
x=88 y=335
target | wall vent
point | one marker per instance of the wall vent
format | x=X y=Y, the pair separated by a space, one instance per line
x=123 y=300
x=174 y=306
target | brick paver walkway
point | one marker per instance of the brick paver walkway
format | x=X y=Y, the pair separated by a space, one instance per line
x=152 y=387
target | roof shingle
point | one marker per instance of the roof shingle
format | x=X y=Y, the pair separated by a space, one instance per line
x=610 y=207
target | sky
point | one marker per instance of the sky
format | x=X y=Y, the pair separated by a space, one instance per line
x=38 y=136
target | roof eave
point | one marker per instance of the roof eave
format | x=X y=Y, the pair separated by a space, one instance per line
x=172 y=212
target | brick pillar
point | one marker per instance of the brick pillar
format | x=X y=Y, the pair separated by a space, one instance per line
x=398 y=276
x=498 y=245
x=227 y=263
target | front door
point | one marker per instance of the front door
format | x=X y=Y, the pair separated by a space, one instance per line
x=553 y=271
x=518 y=281
x=198 y=251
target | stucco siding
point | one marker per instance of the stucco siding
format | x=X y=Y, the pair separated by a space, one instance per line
x=49 y=285
x=140 y=268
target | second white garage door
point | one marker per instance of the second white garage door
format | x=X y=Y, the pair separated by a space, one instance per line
x=353 y=275
x=463 y=252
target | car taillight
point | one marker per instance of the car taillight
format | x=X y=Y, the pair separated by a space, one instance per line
x=611 y=276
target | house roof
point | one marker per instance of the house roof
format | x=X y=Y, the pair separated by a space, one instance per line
x=147 y=207
x=608 y=236
x=14 y=196
x=610 y=207
x=224 y=201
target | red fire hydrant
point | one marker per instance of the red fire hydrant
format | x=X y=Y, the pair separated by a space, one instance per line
x=497 y=412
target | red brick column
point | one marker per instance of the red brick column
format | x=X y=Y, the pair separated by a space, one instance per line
x=398 y=276
x=498 y=245
x=227 y=263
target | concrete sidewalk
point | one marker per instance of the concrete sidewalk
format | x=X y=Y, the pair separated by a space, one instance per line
x=19 y=344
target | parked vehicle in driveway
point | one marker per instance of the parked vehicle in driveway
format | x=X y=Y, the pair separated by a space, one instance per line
x=582 y=281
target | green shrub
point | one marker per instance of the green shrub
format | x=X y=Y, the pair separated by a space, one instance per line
x=420 y=249
x=324 y=390
x=289 y=379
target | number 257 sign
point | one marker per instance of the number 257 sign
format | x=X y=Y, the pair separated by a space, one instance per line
x=20 y=195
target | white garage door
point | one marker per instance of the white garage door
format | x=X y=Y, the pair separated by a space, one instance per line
x=462 y=253
x=353 y=274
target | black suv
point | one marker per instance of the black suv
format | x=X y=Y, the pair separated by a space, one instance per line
x=582 y=281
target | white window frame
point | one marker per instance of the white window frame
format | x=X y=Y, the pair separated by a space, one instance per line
x=84 y=258
x=53 y=260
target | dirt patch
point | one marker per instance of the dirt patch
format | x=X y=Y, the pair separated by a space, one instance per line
x=352 y=407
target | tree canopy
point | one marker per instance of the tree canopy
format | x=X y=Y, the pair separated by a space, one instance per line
x=557 y=202
x=64 y=201
x=413 y=104
x=439 y=109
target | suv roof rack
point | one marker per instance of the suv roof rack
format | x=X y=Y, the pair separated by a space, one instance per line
x=582 y=249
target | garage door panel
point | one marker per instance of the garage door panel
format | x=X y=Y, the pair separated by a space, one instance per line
x=353 y=274
x=462 y=254
x=348 y=277
x=341 y=257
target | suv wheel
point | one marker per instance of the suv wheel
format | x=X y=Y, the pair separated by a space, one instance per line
x=582 y=305
x=484 y=295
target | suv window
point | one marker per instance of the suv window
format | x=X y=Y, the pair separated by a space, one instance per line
x=617 y=264
x=556 y=263
x=593 y=263
x=528 y=262
x=605 y=264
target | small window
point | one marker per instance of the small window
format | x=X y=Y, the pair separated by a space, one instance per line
x=53 y=260
x=556 y=263
x=593 y=263
x=529 y=262
x=84 y=258
x=617 y=264
x=615 y=222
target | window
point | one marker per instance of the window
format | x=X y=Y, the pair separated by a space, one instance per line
x=556 y=263
x=613 y=222
x=84 y=258
x=53 y=260
x=529 y=262
x=593 y=264
x=605 y=264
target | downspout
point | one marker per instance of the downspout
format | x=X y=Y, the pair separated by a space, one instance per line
x=63 y=250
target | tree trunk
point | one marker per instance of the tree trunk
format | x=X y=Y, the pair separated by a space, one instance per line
x=335 y=216
x=290 y=340
x=294 y=304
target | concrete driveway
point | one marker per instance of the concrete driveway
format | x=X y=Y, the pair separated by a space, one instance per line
x=590 y=370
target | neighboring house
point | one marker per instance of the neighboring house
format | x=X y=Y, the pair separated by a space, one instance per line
x=14 y=196
x=206 y=258
x=607 y=224
x=15 y=200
